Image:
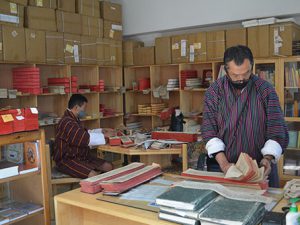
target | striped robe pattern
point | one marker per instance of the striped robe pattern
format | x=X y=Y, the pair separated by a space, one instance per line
x=71 y=150
x=244 y=121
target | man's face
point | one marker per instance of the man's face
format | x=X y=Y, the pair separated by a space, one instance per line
x=239 y=74
x=80 y=110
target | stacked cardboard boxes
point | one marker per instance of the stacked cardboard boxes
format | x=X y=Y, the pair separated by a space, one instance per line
x=128 y=47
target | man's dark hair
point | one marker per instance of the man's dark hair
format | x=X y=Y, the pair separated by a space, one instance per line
x=238 y=54
x=76 y=99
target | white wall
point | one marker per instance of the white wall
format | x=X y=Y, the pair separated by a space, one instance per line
x=146 y=19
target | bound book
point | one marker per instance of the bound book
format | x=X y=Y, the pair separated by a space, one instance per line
x=92 y=185
x=31 y=156
x=128 y=181
x=8 y=169
x=178 y=219
x=185 y=198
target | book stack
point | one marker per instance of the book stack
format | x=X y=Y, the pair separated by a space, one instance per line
x=173 y=84
x=144 y=109
x=193 y=83
x=157 y=108
x=134 y=125
x=123 y=183
x=186 y=74
x=92 y=185
x=291 y=74
x=244 y=173
x=296 y=48
x=27 y=80
x=59 y=85
x=106 y=111
x=267 y=75
x=182 y=205
x=74 y=84
x=3 y=93
x=101 y=85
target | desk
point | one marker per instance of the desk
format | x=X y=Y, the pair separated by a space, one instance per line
x=77 y=208
x=161 y=156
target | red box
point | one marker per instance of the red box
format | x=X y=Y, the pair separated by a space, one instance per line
x=58 y=80
x=19 y=119
x=144 y=84
x=178 y=136
x=74 y=78
x=31 y=119
x=113 y=141
x=74 y=90
x=6 y=122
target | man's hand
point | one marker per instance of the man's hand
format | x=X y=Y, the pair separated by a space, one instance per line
x=93 y=173
x=266 y=162
x=223 y=162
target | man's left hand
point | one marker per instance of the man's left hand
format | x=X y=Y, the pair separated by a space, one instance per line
x=267 y=164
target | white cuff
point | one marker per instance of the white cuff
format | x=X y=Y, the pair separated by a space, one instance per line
x=96 y=139
x=214 y=145
x=273 y=148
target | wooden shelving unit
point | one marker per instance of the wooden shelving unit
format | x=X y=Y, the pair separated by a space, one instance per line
x=31 y=187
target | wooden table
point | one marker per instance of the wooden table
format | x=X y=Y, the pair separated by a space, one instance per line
x=162 y=156
x=77 y=208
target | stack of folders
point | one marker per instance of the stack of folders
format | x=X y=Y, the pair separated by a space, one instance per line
x=194 y=206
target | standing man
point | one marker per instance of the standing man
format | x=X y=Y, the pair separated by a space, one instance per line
x=242 y=114
x=72 y=143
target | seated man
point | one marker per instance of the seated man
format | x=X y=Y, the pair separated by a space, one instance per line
x=72 y=143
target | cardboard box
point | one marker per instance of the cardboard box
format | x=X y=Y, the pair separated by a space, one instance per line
x=35 y=46
x=128 y=47
x=88 y=7
x=113 y=30
x=109 y=52
x=68 y=22
x=40 y=18
x=11 y=14
x=197 y=47
x=111 y=11
x=66 y=5
x=88 y=50
x=72 y=48
x=163 y=53
x=236 y=37
x=54 y=47
x=259 y=41
x=20 y=2
x=13 y=44
x=92 y=26
x=281 y=38
x=215 y=45
x=180 y=50
x=52 y=4
x=144 y=56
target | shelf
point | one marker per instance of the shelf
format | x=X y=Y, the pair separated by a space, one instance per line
x=108 y=92
x=52 y=94
x=20 y=137
x=140 y=92
x=291 y=87
x=292 y=119
x=113 y=116
x=20 y=176
x=197 y=90
x=90 y=119
x=25 y=217
x=48 y=125
x=91 y=92
x=293 y=149
x=143 y=115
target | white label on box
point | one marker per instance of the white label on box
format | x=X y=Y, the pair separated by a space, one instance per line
x=7 y=118
x=116 y=27
x=175 y=46
x=13 y=8
x=111 y=33
x=0 y=46
x=9 y=18
x=69 y=48
x=76 y=53
x=277 y=41
x=20 y=117
x=197 y=45
x=19 y=111
x=32 y=35
x=39 y=3
x=112 y=8
x=192 y=53
x=34 y=110
x=183 y=48
x=14 y=33
x=281 y=28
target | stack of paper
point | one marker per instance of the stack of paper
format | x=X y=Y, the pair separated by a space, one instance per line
x=130 y=180
x=182 y=205
x=244 y=173
x=92 y=185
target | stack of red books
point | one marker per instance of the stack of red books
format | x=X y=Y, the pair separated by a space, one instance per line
x=101 y=85
x=186 y=74
x=31 y=119
x=62 y=81
x=92 y=185
x=74 y=84
x=27 y=80
x=123 y=183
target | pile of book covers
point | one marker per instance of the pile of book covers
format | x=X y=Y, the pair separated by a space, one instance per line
x=193 y=206
x=119 y=180
x=12 y=210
